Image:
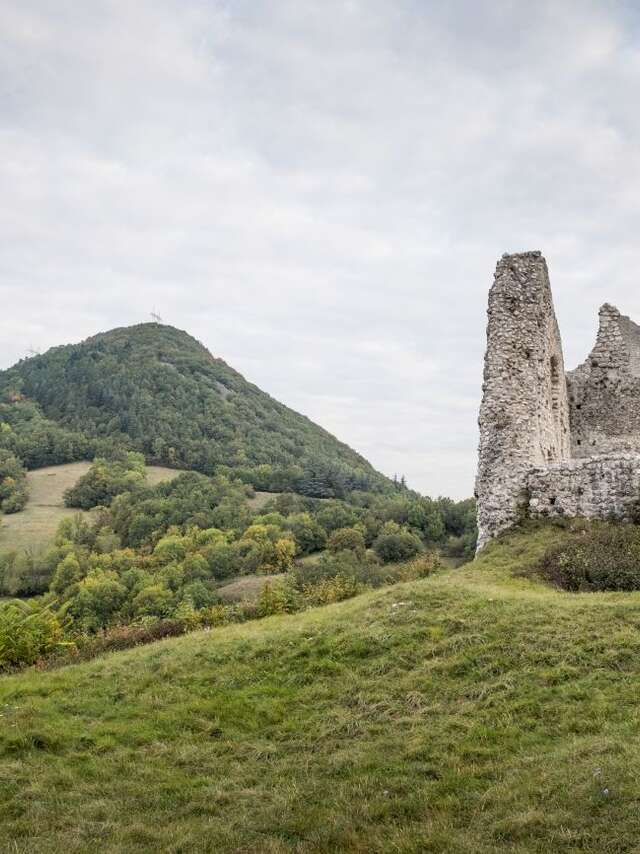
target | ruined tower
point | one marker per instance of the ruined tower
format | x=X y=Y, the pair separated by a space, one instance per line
x=605 y=390
x=524 y=417
x=553 y=444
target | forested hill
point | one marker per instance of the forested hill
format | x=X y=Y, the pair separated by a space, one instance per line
x=158 y=390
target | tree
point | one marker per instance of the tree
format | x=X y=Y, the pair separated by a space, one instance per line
x=424 y=515
x=123 y=472
x=14 y=493
x=309 y=535
x=396 y=544
x=99 y=597
x=346 y=539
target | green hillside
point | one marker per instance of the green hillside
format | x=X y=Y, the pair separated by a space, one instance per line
x=156 y=389
x=474 y=711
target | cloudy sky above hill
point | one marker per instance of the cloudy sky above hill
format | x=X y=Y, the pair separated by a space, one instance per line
x=319 y=191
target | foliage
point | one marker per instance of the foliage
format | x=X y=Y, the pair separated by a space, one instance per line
x=346 y=539
x=28 y=631
x=160 y=552
x=307 y=531
x=278 y=598
x=36 y=440
x=155 y=389
x=13 y=483
x=606 y=556
x=330 y=590
x=123 y=472
x=395 y=544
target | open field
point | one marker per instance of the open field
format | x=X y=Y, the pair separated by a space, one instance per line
x=36 y=525
x=246 y=588
x=474 y=711
x=260 y=499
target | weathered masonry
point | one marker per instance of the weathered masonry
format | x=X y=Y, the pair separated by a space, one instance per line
x=554 y=443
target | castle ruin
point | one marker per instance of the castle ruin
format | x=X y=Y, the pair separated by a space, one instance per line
x=554 y=443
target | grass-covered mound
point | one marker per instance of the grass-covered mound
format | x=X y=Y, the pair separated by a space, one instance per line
x=476 y=710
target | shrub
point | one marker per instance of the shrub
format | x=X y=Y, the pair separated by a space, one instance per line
x=154 y=601
x=28 y=631
x=68 y=572
x=346 y=539
x=330 y=590
x=309 y=534
x=280 y=597
x=364 y=569
x=462 y=547
x=396 y=544
x=98 y=599
x=28 y=572
x=13 y=483
x=601 y=556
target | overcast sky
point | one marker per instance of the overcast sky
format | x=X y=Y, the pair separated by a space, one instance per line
x=319 y=190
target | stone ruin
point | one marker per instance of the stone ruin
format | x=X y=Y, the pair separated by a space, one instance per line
x=554 y=443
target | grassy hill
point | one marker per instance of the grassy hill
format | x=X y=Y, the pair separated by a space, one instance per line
x=158 y=390
x=35 y=526
x=474 y=711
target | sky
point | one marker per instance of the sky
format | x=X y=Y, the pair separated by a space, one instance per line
x=318 y=190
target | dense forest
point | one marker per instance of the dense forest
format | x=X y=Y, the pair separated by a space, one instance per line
x=156 y=390
x=161 y=553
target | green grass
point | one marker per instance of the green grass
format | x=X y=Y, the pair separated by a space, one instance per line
x=35 y=526
x=245 y=588
x=474 y=711
x=259 y=499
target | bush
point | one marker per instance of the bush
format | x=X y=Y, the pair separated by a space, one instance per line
x=330 y=590
x=280 y=597
x=309 y=535
x=462 y=547
x=396 y=544
x=98 y=599
x=346 y=539
x=600 y=556
x=27 y=632
x=27 y=572
x=13 y=483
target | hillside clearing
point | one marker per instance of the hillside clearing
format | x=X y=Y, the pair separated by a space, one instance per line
x=247 y=588
x=473 y=711
x=259 y=499
x=35 y=526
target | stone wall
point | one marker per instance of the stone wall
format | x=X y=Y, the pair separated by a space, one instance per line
x=596 y=487
x=604 y=392
x=524 y=417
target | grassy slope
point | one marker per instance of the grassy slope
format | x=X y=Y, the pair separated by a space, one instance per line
x=35 y=526
x=469 y=712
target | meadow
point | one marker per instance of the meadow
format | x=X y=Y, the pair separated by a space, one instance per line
x=476 y=710
x=35 y=526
